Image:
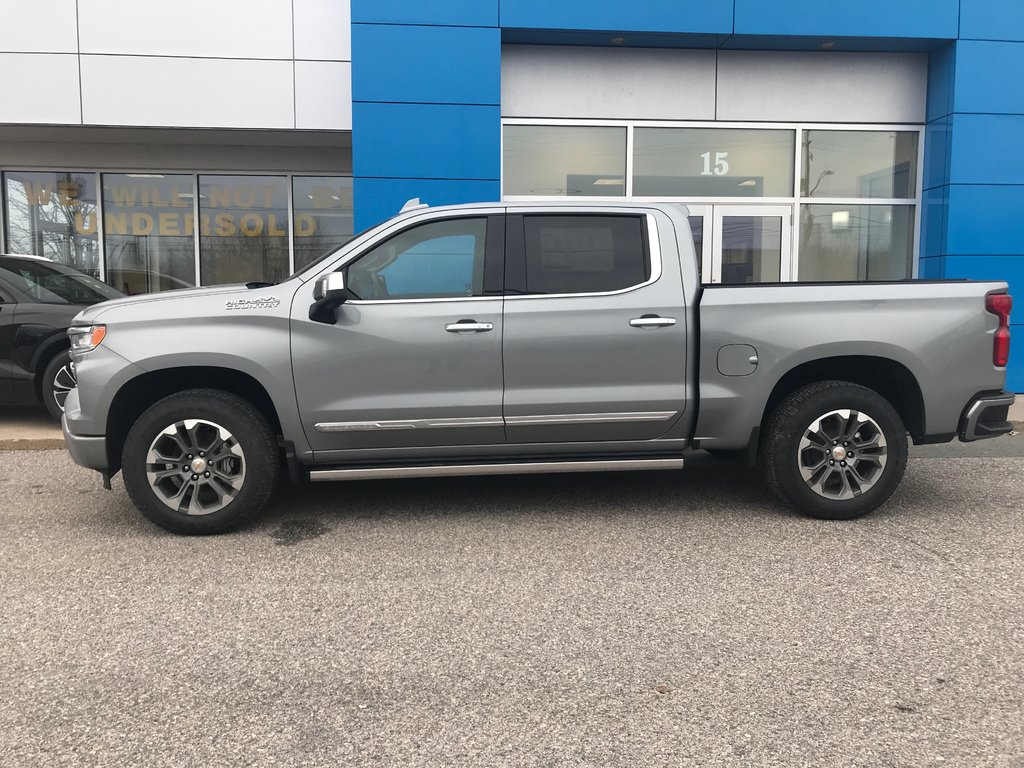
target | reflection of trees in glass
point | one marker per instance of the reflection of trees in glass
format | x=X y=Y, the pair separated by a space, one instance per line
x=54 y=215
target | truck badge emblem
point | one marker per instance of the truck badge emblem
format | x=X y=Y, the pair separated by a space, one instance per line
x=260 y=302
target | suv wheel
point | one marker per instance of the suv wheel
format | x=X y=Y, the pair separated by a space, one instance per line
x=58 y=379
x=200 y=462
x=834 y=450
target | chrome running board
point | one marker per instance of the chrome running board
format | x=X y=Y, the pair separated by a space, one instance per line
x=496 y=468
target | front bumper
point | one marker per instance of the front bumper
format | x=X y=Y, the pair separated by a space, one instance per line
x=985 y=416
x=89 y=451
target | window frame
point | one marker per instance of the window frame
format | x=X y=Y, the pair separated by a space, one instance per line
x=493 y=266
x=515 y=250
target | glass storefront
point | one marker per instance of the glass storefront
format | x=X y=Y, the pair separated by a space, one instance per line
x=847 y=198
x=712 y=162
x=140 y=234
x=147 y=232
x=564 y=160
x=53 y=214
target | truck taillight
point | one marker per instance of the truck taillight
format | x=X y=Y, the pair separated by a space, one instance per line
x=1000 y=304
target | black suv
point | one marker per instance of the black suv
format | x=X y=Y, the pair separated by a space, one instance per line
x=38 y=299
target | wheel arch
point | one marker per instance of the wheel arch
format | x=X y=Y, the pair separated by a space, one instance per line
x=146 y=389
x=889 y=378
x=45 y=352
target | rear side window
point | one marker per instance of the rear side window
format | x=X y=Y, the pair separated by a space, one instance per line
x=585 y=254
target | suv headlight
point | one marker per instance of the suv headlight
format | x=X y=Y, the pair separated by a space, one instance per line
x=86 y=338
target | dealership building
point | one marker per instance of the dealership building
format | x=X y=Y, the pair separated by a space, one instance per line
x=158 y=146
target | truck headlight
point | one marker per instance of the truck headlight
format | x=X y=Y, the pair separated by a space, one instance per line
x=86 y=338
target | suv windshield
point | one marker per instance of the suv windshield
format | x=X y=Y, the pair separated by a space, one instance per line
x=51 y=283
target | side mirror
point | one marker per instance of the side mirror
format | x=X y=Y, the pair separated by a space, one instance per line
x=331 y=287
x=329 y=293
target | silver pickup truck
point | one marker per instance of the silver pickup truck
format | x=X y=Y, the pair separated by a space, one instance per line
x=527 y=337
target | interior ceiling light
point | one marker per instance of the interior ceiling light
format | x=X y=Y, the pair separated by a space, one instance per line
x=144 y=175
x=749 y=183
x=607 y=182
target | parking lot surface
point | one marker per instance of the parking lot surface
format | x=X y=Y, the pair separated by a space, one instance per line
x=636 y=619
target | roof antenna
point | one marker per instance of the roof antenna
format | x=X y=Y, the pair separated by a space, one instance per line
x=413 y=205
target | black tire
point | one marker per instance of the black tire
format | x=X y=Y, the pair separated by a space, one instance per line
x=255 y=471
x=58 y=379
x=783 y=459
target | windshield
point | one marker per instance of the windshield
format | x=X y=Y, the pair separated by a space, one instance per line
x=50 y=283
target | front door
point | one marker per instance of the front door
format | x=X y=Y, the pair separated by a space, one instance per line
x=414 y=359
x=595 y=328
x=749 y=244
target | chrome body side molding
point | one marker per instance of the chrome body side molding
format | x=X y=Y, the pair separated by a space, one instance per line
x=588 y=418
x=502 y=468
x=364 y=426
x=495 y=421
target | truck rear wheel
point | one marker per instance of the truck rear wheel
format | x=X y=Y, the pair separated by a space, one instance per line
x=834 y=450
x=200 y=462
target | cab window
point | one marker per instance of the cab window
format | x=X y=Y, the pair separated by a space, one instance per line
x=435 y=260
x=585 y=254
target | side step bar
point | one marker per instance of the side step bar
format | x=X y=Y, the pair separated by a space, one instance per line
x=496 y=468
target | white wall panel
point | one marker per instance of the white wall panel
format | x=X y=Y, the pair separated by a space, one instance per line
x=200 y=93
x=40 y=88
x=580 y=82
x=323 y=30
x=220 y=28
x=323 y=95
x=822 y=87
x=38 y=26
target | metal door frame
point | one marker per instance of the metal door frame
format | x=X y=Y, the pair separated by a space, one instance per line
x=713 y=263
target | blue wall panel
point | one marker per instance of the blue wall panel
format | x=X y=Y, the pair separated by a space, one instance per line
x=864 y=18
x=1015 y=370
x=446 y=65
x=987 y=149
x=454 y=13
x=985 y=219
x=930 y=269
x=426 y=141
x=988 y=77
x=992 y=19
x=379 y=199
x=941 y=64
x=934 y=209
x=679 y=16
x=937 y=142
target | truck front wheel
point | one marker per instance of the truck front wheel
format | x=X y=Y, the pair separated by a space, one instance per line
x=200 y=462
x=834 y=450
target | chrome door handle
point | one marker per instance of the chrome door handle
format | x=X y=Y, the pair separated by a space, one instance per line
x=652 y=322
x=469 y=326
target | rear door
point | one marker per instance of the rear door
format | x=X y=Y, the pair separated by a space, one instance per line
x=595 y=328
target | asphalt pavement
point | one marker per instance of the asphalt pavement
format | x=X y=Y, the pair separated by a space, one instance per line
x=642 y=619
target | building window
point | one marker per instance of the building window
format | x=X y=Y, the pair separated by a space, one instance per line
x=834 y=202
x=148 y=224
x=712 y=162
x=873 y=164
x=53 y=214
x=323 y=216
x=243 y=229
x=856 y=242
x=560 y=160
